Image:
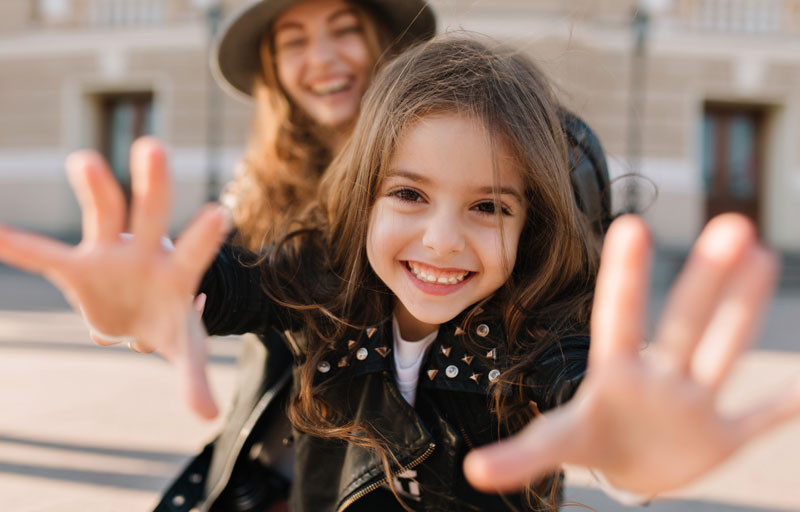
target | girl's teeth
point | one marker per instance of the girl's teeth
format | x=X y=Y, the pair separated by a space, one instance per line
x=430 y=278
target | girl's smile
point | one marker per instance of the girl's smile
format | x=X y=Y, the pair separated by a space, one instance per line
x=437 y=281
x=444 y=230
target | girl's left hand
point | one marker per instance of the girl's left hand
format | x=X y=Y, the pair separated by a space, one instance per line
x=649 y=422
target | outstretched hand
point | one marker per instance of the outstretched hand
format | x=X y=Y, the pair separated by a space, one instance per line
x=649 y=422
x=132 y=285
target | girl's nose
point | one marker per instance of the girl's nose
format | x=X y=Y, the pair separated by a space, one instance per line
x=444 y=234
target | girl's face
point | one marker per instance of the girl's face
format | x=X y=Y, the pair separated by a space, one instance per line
x=434 y=235
x=322 y=59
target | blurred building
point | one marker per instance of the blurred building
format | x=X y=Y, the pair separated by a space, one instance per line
x=702 y=97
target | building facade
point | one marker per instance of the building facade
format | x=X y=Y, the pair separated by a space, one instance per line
x=701 y=98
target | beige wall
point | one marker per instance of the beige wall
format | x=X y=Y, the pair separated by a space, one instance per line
x=47 y=75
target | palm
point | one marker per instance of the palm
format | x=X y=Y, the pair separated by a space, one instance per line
x=648 y=420
x=131 y=285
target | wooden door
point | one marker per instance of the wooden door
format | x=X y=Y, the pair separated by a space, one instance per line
x=733 y=149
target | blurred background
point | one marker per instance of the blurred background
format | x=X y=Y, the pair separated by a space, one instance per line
x=701 y=97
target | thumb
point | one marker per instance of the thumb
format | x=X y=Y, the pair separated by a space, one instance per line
x=191 y=369
x=521 y=459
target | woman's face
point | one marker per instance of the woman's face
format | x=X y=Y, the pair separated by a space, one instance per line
x=323 y=62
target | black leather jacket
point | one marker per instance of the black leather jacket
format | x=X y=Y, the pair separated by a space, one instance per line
x=451 y=415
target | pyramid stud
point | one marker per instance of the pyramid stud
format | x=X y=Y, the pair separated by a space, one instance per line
x=351 y=344
x=432 y=373
x=475 y=377
x=362 y=353
x=446 y=350
x=382 y=351
x=371 y=331
x=468 y=359
x=492 y=354
x=343 y=362
x=459 y=331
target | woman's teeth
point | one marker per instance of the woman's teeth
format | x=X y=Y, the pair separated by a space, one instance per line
x=436 y=276
x=331 y=86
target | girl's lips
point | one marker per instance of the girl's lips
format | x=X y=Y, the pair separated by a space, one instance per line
x=435 y=288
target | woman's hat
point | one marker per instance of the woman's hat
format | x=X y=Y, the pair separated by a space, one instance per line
x=235 y=58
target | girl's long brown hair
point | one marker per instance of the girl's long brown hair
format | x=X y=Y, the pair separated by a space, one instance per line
x=287 y=152
x=548 y=295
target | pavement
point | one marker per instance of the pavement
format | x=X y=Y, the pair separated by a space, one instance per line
x=84 y=428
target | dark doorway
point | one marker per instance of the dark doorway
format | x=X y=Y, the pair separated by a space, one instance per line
x=123 y=118
x=733 y=158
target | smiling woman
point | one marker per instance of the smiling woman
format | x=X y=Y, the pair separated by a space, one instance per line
x=306 y=64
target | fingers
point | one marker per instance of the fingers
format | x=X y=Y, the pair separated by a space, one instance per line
x=620 y=299
x=769 y=415
x=515 y=462
x=199 y=243
x=712 y=262
x=737 y=317
x=33 y=253
x=151 y=192
x=100 y=197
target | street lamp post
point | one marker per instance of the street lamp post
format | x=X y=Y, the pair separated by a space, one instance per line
x=213 y=15
x=636 y=105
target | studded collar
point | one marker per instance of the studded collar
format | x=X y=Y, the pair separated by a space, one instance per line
x=453 y=362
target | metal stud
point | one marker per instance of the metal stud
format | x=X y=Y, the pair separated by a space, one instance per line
x=482 y=330
x=446 y=350
x=493 y=375
x=362 y=353
x=432 y=373
x=382 y=351
x=343 y=362
x=459 y=331
x=475 y=377
x=492 y=354
x=178 y=500
x=371 y=331
x=351 y=344
x=324 y=367
x=451 y=371
x=195 y=478
x=468 y=359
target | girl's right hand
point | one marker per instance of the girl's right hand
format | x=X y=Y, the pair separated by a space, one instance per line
x=132 y=285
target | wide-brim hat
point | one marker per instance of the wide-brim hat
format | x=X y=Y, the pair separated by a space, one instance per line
x=235 y=57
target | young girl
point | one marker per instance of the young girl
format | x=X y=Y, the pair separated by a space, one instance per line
x=437 y=299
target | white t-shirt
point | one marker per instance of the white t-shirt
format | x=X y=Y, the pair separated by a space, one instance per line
x=408 y=356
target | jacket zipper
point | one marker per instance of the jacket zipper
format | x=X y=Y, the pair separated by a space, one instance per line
x=465 y=436
x=363 y=492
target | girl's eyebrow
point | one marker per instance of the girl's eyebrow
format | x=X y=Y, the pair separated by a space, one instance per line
x=421 y=178
x=333 y=17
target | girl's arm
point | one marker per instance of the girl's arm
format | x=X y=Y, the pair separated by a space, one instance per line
x=649 y=422
x=132 y=286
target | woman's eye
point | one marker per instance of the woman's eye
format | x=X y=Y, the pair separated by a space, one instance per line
x=347 y=30
x=287 y=44
x=490 y=207
x=407 y=194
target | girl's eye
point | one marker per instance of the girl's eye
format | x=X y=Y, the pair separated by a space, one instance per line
x=407 y=194
x=490 y=208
